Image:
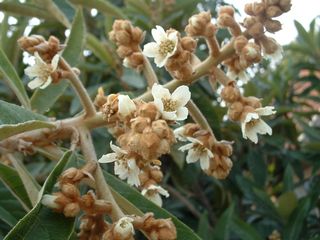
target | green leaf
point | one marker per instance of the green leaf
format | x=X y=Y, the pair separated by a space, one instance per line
x=13 y=182
x=204 y=230
x=10 y=209
x=244 y=230
x=101 y=51
x=13 y=114
x=287 y=202
x=31 y=185
x=41 y=222
x=293 y=228
x=103 y=6
x=25 y=10
x=223 y=226
x=12 y=79
x=8 y=130
x=257 y=167
x=144 y=205
x=43 y=99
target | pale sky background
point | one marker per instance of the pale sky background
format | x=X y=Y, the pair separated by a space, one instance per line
x=302 y=10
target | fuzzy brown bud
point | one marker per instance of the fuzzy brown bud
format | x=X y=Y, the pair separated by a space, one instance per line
x=135 y=61
x=252 y=101
x=272 y=26
x=227 y=10
x=148 y=110
x=248 y=9
x=285 y=5
x=70 y=191
x=256 y=30
x=230 y=93
x=188 y=44
x=235 y=110
x=258 y=8
x=71 y=209
x=239 y=43
x=273 y=11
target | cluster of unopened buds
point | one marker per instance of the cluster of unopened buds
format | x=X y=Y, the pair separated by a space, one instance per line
x=144 y=131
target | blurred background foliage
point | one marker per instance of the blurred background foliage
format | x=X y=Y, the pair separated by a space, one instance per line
x=274 y=186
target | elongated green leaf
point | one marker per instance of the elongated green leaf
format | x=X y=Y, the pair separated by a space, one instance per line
x=31 y=185
x=43 y=99
x=13 y=114
x=144 y=205
x=223 y=226
x=101 y=51
x=103 y=6
x=296 y=220
x=12 y=79
x=10 y=209
x=11 y=179
x=204 y=230
x=41 y=222
x=244 y=230
x=8 y=130
x=25 y=10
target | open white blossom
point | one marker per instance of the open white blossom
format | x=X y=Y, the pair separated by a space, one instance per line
x=252 y=125
x=124 y=227
x=124 y=167
x=163 y=48
x=171 y=106
x=153 y=193
x=242 y=75
x=197 y=151
x=41 y=72
x=125 y=105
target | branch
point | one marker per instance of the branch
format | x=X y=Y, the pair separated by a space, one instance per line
x=79 y=88
x=103 y=190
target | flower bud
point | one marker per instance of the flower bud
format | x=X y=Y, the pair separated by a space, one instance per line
x=230 y=93
x=273 y=11
x=188 y=44
x=258 y=8
x=273 y=2
x=272 y=26
x=248 y=8
x=149 y=110
x=235 y=110
x=239 y=43
x=252 y=101
x=123 y=229
x=71 y=210
x=256 y=30
x=139 y=124
x=70 y=191
x=285 y=5
x=227 y=10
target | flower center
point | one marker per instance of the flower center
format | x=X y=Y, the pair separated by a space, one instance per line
x=252 y=123
x=166 y=46
x=200 y=148
x=169 y=105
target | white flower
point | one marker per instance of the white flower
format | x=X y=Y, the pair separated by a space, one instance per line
x=124 y=167
x=125 y=105
x=153 y=193
x=41 y=72
x=49 y=201
x=171 y=106
x=179 y=134
x=163 y=48
x=242 y=75
x=253 y=124
x=197 y=151
x=124 y=227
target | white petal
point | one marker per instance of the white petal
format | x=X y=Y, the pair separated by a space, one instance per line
x=125 y=105
x=161 y=60
x=55 y=62
x=250 y=116
x=192 y=156
x=243 y=130
x=38 y=60
x=116 y=149
x=182 y=113
x=179 y=133
x=182 y=95
x=37 y=82
x=186 y=147
x=49 y=201
x=151 y=49
x=155 y=198
x=251 y=133
x=32 y=71
x=46 y=83
x=169 y=115
x=204 y=162
x=108 y=158
x=262 y=128
x=160 y=92
x=159 y=104
x=265 y=111
x=158 y=34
